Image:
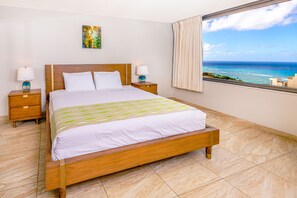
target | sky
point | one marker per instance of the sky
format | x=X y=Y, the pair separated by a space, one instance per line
x=265 y=34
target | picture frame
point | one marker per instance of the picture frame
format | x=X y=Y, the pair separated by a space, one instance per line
x=91 y=37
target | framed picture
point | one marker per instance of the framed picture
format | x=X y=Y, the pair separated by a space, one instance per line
x=91 y=37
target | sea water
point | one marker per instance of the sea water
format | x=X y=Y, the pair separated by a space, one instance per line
x=252 y=72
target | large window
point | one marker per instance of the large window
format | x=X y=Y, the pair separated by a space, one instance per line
x=257 y=47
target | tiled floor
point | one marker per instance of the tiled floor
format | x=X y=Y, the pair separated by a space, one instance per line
x=249 y=162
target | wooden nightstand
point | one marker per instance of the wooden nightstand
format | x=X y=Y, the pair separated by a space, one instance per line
x=147 y=86
x=24 y=105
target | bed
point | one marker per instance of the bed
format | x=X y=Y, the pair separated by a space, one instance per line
x=108 y=147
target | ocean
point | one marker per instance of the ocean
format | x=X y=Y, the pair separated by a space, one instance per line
x=252 y=72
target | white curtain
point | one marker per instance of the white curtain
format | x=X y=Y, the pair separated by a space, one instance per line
x=187 y=57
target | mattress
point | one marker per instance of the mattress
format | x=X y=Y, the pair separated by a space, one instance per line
x=98 y=137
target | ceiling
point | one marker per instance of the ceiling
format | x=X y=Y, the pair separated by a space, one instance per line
x=167 y=11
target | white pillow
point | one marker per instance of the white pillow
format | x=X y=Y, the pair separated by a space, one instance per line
x=82 y=81
x=107 y=80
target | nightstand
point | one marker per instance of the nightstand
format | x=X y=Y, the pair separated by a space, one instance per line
x=147 y=86
x=24 y=105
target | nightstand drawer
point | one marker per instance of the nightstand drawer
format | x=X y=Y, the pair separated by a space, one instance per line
x=24 y=100
x=24 y=112
x=146 y=86
x=149 y=88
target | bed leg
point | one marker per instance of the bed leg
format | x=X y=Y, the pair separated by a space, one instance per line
x=62 y=189
x=62 y=192
x=208 y=151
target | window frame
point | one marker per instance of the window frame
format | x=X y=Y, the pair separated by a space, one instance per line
x=253 y=85
x=238 y=9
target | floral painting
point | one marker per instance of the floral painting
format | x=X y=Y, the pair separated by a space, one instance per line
x=91 y=37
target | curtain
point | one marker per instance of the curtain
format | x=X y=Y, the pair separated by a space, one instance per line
x=187 y=54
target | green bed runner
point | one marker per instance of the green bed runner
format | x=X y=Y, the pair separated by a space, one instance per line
x=71 y=117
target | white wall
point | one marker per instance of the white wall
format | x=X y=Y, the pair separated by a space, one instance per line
x=36 y=41
x=277 y=110
x=35 y=38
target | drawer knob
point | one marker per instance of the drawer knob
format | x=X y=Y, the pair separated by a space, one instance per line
x=25 y=107
x=25 y=96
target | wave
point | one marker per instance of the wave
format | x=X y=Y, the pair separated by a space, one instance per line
x=264 y=75
x=214 y=69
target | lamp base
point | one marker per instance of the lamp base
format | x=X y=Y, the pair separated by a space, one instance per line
x=142 y=79
x=26 y=86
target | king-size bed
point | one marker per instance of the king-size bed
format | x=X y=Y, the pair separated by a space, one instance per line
x=98 y=132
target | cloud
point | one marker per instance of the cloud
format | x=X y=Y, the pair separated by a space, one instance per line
x=219 y=53
x=259 y=19
x=265 y=46
x=207 y=46
x=287 y=53
x=225 y=53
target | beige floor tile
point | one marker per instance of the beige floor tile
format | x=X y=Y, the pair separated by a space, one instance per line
x=42 y=193
x=26 y=191
x=41 y=166
x=218 y=189
x=18 y=169
x=223 y=162
x=42 y=154
x=257 y=182
x=137 y=182
x=43 y=136
x=41 y=187
x=6 y=128
x=284 y=166
x=41 y=172
x=188 y=178
x=21 y=139
x=90 y=189
x=172 y=164
x=23 y=128
x=50 y=194
x=293 y=154
x=227 y=124
x=20 y=143
x=235 y=128
x=199 y=155
x=256 y=146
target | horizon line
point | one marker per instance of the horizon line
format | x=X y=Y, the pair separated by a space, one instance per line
x=249 y=61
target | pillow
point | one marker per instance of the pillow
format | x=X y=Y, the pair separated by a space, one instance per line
x=107 y=80
x=82 y=81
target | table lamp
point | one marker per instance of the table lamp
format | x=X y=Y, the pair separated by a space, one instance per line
x=141 y=72
x=25 y=74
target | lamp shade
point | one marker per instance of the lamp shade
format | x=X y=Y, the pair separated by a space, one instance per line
x=25 y=74
x=141 y=70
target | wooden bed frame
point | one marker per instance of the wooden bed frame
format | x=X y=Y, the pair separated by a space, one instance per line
x=62 y=173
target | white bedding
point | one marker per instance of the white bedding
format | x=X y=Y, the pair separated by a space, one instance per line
x=98 y=137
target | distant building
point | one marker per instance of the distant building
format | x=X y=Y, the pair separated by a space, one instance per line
x=277 y=82
x=292 y=81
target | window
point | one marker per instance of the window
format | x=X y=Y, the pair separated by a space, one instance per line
x=254 y=48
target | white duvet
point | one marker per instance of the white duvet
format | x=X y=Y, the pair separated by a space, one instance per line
x=97 y=137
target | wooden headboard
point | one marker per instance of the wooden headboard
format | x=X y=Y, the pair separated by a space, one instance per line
x=54 y=78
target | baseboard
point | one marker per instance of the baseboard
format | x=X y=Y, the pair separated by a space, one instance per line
x=263 y=128
x=3 y=118
x=279 y=133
